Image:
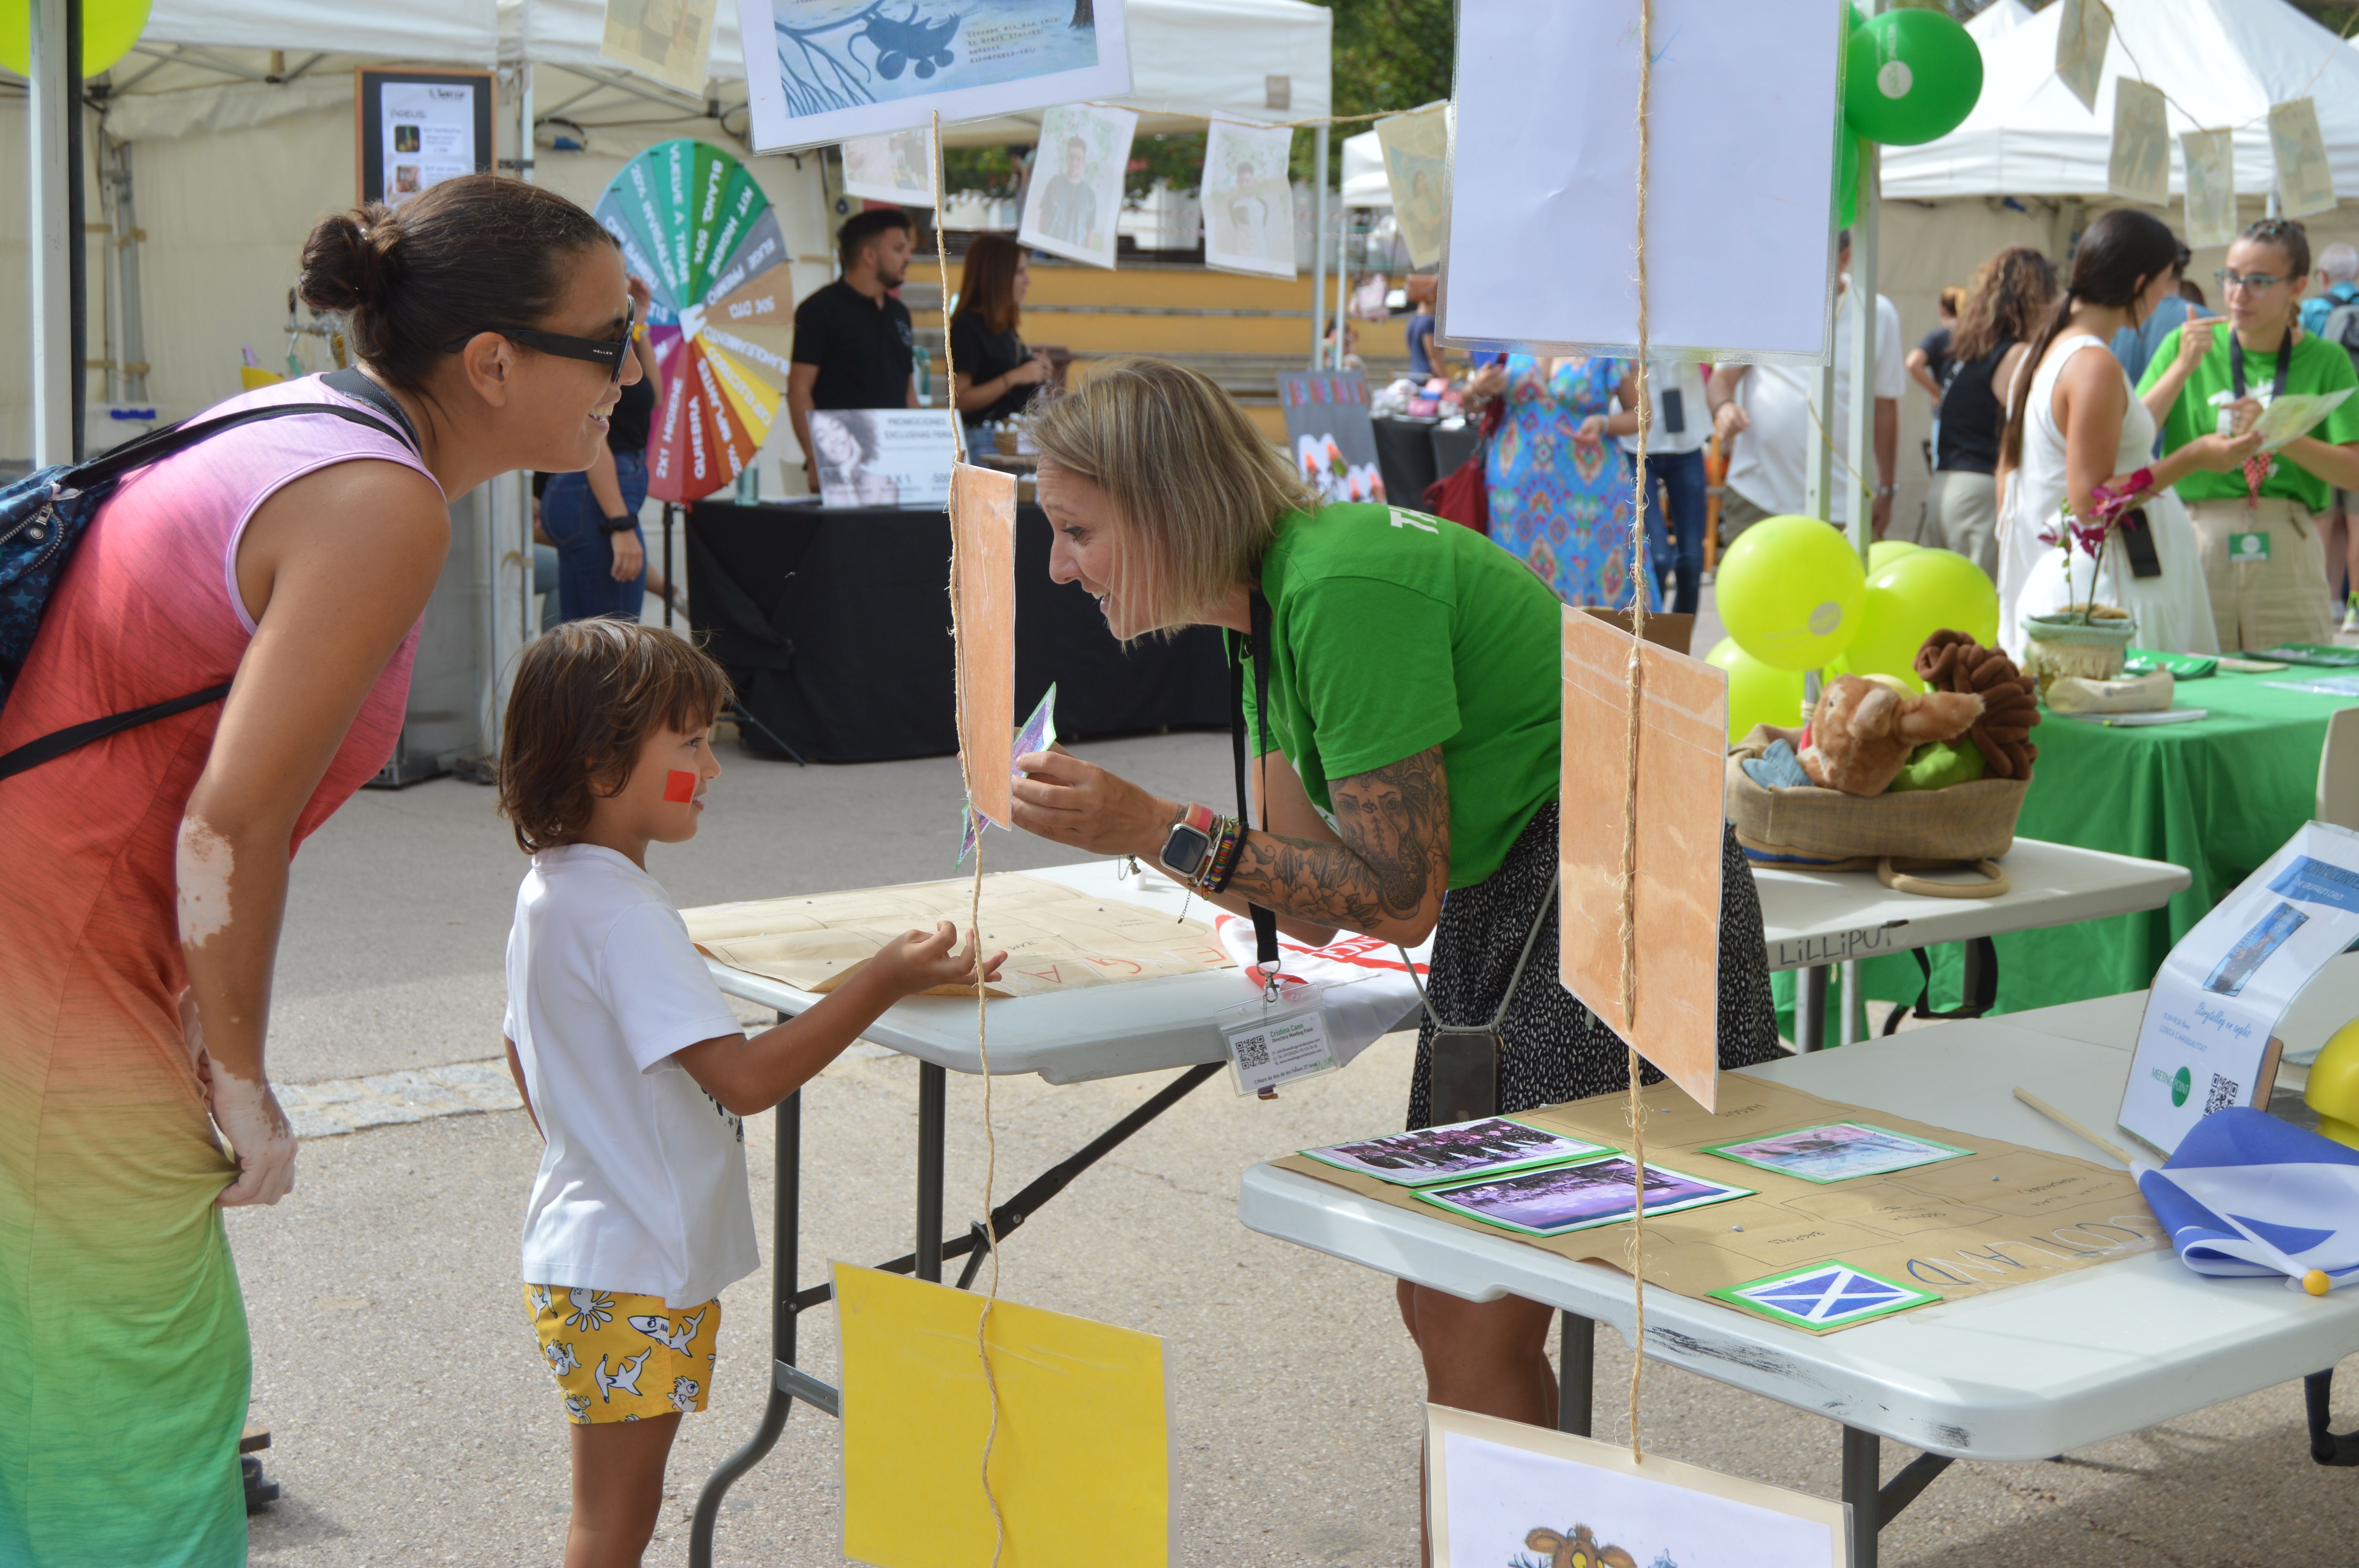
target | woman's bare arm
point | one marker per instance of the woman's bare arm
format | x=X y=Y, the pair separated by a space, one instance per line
x=334 y=569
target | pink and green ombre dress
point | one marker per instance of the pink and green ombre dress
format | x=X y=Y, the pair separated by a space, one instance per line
x=120 y=1413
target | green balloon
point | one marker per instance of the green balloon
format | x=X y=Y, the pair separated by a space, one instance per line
x=1847 y=181
x=1788 y=590
x=1884 y=550
x=1853 y=18
x=1929 y=591
x=1891 y=630
x=1757 y=693
x=1910 y=77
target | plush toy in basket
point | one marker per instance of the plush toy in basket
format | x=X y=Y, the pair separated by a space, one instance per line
x=1885 y=779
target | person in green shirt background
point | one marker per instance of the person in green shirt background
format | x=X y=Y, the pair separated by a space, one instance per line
x=1409 y=763
x=2265 y=561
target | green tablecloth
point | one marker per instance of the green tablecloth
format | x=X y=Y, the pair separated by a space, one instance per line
x=2218 y=796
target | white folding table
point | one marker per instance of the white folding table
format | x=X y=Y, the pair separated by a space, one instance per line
x=1814 y=920
x=2020 y=1374
x=1146 y=1026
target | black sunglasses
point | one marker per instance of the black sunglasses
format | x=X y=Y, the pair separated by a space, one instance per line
x=607 y=352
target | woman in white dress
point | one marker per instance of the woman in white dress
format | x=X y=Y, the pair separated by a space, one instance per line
x=2074 y=423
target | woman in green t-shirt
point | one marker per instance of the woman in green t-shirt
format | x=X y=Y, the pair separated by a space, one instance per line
x=2265 y=559
x=1409 y=763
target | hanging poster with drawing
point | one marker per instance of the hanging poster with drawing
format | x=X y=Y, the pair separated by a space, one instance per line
x=670 y=40
x=1743 y=111
x=2210 y=185
x=839 y=69
x=1075 y=196
x=1248 y=203
x=2139 y=168
x=2305 y=181
x=1416 y=166
x=1509 y=1496
x=895 y=166
x=2082 y=30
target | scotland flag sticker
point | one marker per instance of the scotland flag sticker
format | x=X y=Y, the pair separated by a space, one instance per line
x=1824 y=1296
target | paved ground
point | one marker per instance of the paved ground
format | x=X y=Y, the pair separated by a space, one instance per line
x=414 y=1423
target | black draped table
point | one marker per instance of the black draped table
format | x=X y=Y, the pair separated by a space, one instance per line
x=835 y=625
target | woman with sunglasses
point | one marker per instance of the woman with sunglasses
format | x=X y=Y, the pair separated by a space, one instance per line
x=592 y=517
x=144 y=877
x=2263 y=550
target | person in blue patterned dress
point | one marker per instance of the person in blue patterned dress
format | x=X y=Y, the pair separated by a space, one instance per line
x=1559 y=491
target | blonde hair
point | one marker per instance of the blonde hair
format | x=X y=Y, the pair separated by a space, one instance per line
x=1197 y=489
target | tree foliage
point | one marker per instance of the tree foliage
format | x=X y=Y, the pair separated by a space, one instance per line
x=1392 y=54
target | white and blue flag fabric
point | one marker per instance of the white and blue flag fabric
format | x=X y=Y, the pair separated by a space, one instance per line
x=2248 y=1193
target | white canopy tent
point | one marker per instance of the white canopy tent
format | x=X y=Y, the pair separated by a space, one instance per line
x=2222 y=64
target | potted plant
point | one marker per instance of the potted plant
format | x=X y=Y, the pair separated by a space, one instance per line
x=2085 y=638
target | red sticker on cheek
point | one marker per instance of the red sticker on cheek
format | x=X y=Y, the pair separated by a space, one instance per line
x=678 y=785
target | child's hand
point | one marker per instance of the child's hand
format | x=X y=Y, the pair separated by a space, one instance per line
x=918 y=961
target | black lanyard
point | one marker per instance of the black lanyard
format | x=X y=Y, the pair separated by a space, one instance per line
x=2236 y=364
x=1264 y=923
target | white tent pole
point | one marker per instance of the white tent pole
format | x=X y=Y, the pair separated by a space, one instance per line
x=1859 y=439
x=1319 y=245
x=1343 y=266
x=50 y=101
x=132 y=348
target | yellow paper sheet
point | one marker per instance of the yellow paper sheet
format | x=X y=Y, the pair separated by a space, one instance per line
x=2004 y=1215
x=1681 y=765
x=1082 y=1465
x=1057 y=939
x=668 y=39
x=982 y=584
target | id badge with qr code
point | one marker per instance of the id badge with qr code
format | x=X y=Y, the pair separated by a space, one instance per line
x=1276 y=1041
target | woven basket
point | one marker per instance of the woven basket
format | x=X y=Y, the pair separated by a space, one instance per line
x=1967 y=824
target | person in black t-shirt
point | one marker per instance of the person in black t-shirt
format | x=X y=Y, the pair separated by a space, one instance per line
x=592 y=517
x=993 y=374
x=854 y=347
x=2014 y=296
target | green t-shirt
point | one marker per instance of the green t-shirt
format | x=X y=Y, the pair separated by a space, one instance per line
x=2317 y=365
x=1392 y=632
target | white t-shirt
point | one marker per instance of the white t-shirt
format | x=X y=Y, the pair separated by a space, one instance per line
x=1768 y=464
x=1687 y=376
x=642 y=1187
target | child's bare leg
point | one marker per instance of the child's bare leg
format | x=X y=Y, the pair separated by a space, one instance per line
x=618 y=1475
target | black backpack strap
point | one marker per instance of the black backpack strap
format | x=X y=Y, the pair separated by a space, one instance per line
x=1264 y=922
x=57 y=742
x=354 y=384
x=158 y=445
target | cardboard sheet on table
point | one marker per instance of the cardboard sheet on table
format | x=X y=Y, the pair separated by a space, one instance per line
x=1057 y=939
x=1681 y=765
x=1948 y=1228
x=983 y=585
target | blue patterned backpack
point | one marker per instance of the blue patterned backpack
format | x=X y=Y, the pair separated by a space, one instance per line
x=43 y=515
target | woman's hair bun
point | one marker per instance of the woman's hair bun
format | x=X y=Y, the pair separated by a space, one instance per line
x=351 y=260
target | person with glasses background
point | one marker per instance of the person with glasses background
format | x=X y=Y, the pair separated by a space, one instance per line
x=144 y=879
x=2264 y=556
x=592 y=517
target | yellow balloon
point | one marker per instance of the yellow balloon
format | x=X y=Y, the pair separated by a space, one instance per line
x=2333 y=1088
x=109 y=28
x=1942 y=590
x=1891 y=630
x=1884 y=550
x=1789 y=591
x=1757 y=693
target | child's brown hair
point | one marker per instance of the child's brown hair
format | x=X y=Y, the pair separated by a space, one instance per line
x=587 y=694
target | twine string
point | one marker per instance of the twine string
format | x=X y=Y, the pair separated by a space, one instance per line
x=974 y=900
x=1640 y=484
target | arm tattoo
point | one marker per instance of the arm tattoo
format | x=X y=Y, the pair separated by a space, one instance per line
x=1394 y=824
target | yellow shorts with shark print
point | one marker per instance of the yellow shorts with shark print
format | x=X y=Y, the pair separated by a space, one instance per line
x=620 y=1357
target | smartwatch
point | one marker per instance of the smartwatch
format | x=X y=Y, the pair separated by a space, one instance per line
x=1190 y=840
x=617 y=524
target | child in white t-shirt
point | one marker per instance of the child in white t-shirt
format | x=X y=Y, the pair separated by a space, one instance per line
x=631 y=1063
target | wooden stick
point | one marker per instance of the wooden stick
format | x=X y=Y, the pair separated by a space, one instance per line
x=2069 y=1125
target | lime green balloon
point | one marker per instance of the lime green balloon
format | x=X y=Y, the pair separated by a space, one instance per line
x=1884 y=550
x=1788 y=590
x=1843 y=666
x=1757 y=693
x=1853 y=18
x=1847 y=181
x=1891 y=630
x=1909 y=77
x=109 y=28
x=1941 y=590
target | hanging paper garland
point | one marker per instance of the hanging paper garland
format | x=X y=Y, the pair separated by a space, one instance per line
x=692 y=222
x=1910 y=77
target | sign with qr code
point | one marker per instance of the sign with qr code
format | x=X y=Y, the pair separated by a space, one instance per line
x=1276 y=1042
x=2207 y=1041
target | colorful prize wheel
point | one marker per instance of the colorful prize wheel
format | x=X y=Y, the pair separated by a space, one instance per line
x=692 y=222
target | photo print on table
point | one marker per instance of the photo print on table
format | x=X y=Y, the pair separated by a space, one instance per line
x=1824 y=1295
x=1837 y=1151
x=1248 y=203
x=1074 y=199
x=1556 y=1199
x=1486 y=1146
x=853 y=67
x=882 y=457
